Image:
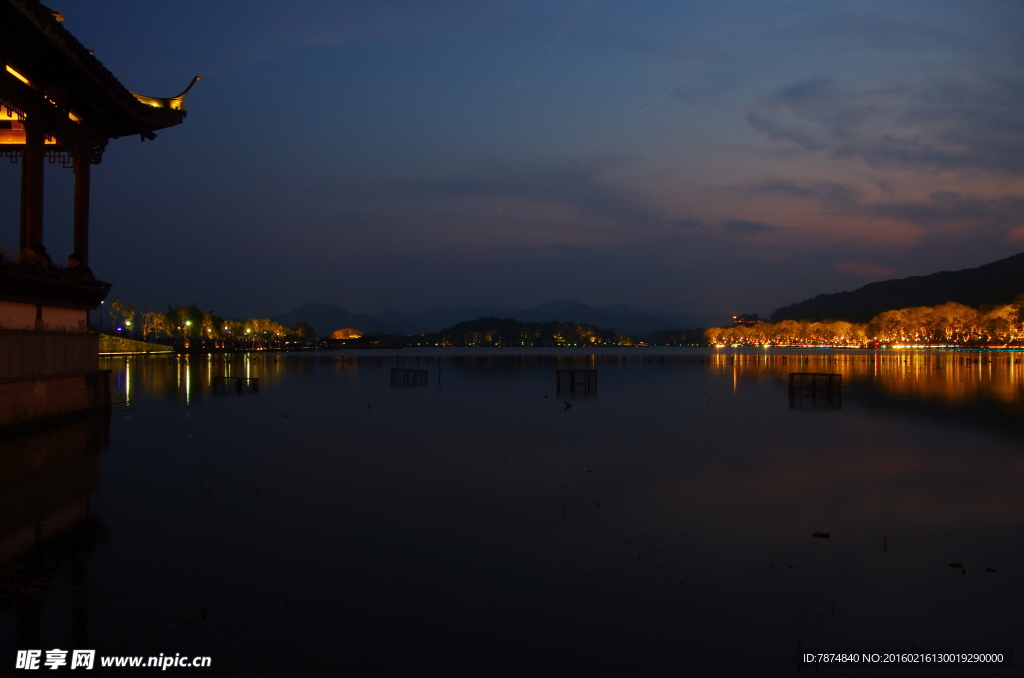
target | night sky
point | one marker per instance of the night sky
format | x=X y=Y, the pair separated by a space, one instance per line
x=730 y=156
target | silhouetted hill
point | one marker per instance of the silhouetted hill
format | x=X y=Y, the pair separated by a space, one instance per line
x=997 y=283
x=511 y=332
x=620 y=318
x=325 y=318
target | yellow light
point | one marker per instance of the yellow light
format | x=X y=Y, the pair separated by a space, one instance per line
x=18 y=75
x=73 y=117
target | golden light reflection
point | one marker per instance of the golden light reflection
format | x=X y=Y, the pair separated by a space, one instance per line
x=951 y=376
x=183 y=366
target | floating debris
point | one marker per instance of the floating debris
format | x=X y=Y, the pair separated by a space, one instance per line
x=821 y=535
x=989 y=569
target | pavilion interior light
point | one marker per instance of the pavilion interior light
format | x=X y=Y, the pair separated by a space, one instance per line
x=18 y=75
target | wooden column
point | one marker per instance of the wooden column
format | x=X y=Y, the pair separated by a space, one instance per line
x=82 y=163
x=32 y=184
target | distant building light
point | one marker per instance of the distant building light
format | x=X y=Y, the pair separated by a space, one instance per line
x=747 y=319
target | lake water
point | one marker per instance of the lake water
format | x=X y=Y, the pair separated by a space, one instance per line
x=484 y=523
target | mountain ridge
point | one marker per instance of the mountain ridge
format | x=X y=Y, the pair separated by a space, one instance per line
x=998 y=282
x=325 y=318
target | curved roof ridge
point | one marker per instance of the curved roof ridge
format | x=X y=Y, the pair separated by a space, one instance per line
x=48 y=21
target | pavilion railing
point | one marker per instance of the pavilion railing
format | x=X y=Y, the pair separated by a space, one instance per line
x=50 y=288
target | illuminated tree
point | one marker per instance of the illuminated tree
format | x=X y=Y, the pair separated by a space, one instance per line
x=155 y=324
x=116 y=306
x=1004 y=323
x=129 y=317
x=956 y=321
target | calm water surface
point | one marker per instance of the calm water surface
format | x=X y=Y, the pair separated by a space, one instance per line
x=485 y=524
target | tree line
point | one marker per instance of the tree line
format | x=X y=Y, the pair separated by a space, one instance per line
x=510 y=332
x=191 y=327
x=949 y=323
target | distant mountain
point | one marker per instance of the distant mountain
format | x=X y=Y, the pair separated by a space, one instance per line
x=554 y=310
x=620 y=318
x=997 y=283
x=437 y=319
x=325 y=318
x=688 y=321
x=629 y=320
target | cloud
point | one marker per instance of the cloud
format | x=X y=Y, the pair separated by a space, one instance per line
x=744 y=228
x=946 y=209
x=829 y=192
x=941 y=210
x=689 y=223
x=583 y=183
x=953 y=121
x=778 y=132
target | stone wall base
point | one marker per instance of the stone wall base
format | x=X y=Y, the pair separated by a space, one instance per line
x=38 y=401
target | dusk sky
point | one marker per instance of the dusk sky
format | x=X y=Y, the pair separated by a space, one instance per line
x=729 y=156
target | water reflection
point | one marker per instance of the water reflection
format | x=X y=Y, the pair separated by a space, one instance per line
x=957 y=377
x=46 y=531
x=953 y=376
x=478 y=526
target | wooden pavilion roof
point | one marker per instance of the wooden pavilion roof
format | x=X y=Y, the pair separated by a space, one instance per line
x=36 y=48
